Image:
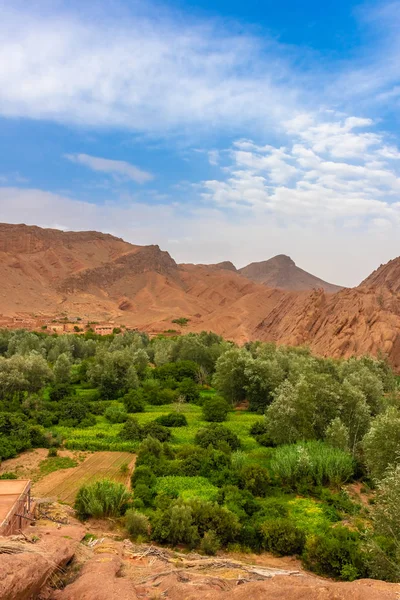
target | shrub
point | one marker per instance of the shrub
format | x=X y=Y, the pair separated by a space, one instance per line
x=52 y=452
x=9 y=475
x=210 y=516
x=175 y=525
x=60 y=391
x=159 y=396
x=282 y=537
x=180 y=370
x=133 y=402
x=39 y=436
x=240 y=502
x=215 y=409
x=156 y=431
x=143 y=474
x=172 y=420
x=214 y=435
x=274 y=508
x=101 y=499
x=210 y=543
x=131 y=430
x=259 y=430
x=116 y=414
x=336 y=553
x=144 y=493
x=311 y=463
x=255 y=479
x=189 y=390
x=137 y=525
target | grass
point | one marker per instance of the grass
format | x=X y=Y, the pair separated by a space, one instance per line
x=187 y=487
x=104 y=435
x=320 y=464
x=55 y=463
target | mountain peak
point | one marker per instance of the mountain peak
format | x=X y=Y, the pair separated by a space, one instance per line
x=281 y=272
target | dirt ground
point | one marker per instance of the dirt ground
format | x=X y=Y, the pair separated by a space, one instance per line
x=64 y=483
x=26 y=465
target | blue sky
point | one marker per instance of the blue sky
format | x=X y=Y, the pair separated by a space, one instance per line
x=218 y=130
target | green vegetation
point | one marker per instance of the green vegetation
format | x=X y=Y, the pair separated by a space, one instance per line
x=51 y=464
x=249 y=448
x=102 y=499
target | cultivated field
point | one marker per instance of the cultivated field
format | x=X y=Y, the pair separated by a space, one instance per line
x=64 y=485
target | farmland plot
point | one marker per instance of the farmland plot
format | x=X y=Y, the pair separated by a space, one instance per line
x=64 y=485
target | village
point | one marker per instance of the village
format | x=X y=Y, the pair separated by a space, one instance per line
x=60 y=325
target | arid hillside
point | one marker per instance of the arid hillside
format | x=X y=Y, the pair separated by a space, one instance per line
x=100 y=277
x=282 y=272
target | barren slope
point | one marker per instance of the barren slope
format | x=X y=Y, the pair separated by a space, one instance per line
x=282 y=272
x=100 y=277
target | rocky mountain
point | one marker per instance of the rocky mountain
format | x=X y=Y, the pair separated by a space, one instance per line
x=282 y=272
x=48 y=273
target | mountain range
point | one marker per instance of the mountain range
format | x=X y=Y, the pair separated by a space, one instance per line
x=96 y=276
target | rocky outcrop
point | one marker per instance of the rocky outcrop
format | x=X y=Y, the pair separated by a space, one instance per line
x=115 y=573
x=23 y=575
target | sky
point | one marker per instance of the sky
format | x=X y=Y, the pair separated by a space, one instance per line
x=217 y=130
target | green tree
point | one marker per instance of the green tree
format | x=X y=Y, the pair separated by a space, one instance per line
x=263 y=377
x=382 y=442
x=230 y=375
x=62 y=369
x=215 y=409
x=337 y=435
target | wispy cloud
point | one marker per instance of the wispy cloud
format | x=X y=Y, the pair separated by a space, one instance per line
x=146 y=74
x=337 y=171
x=117 y=168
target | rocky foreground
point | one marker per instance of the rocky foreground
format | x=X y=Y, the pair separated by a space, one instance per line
x=55 y=561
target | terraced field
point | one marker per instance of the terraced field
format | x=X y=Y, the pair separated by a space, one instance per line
x=63 y=485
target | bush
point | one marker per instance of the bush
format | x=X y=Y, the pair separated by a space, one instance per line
x=210 y=543
x=9 y=475
x=241 y=502
x=189 y=390
x=274 y=508
x=144 y=493
x=282 y=537
x=311 y=463
x=336 y=554
x=259 y=431
x=255 y=479
x=59 y=391
x=131 y=431
x=172 y=420
x=159 y=396
x=116 y=414
x=39 y=436
x=215 y=409
x=52 y=452
x=137 y=525
x=143 y=474
x=102 y=499
x=180 y=370
x=175 y=525
x=156 y=431
x=133 y=402
x=216 y=435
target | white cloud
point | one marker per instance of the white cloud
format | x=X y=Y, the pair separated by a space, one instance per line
x=148 y=74
x=341 y=255
x=327 y=174
x=117 y=168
